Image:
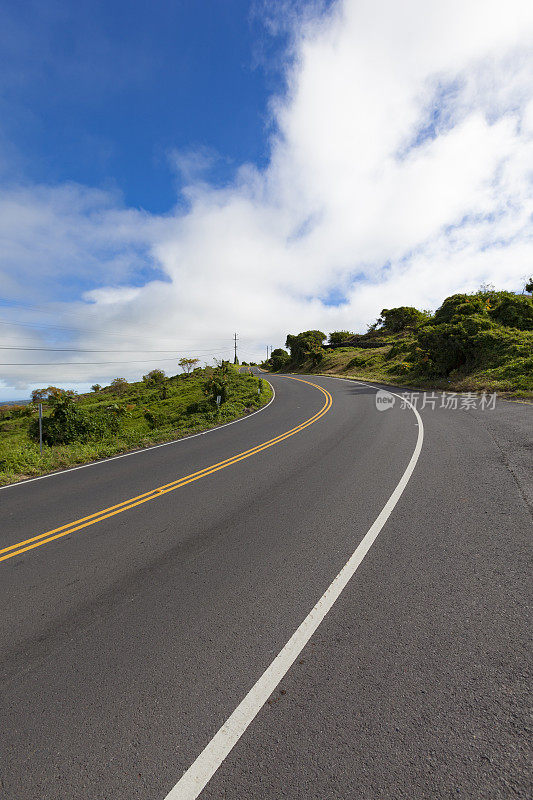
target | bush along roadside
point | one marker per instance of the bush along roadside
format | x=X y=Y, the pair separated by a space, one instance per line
x=474 y=342
x=122 y=417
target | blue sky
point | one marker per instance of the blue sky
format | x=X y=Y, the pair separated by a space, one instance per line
x=173 y=172
x=101 y=92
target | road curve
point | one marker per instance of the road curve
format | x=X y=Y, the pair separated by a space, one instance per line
x=128 y=643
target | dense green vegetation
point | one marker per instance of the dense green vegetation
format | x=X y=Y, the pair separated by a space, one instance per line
x=473 y=342
x=120 y=417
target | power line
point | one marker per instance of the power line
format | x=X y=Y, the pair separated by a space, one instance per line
x=55 y=346
x=89 y=363
x=83 y=350
x=80 y=363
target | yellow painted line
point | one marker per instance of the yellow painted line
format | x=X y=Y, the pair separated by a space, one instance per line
x=98 y=516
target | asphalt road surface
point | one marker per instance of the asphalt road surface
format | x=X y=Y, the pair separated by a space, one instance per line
x=128 y=644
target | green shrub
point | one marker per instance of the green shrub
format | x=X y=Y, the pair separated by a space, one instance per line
x=217 y=386
x=316 y=354
x=304 y=343
x=401 y=318
x=356 y=361
x=514 y=311
x=16 y=411
x=459 y=305
x=466 y=344
x=68 y=423
x=505 y=308
x=397 y=349
x=336 y=337
x=154 y=377
x=119 y=386
x=279 y=359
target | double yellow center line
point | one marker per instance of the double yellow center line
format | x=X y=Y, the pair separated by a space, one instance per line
x=92 y=519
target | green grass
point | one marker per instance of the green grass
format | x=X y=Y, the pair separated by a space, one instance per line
x=145 y=416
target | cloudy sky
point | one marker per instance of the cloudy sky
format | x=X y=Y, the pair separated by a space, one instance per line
x=171 y=173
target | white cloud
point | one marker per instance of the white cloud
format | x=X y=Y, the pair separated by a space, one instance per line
x=400 y=172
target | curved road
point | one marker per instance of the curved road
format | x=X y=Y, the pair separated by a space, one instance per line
x=129 y=642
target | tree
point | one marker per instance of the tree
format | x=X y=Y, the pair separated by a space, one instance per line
x=337 y=337
x=39 y=395
x=529 y=285
x=154 y=378
x=398 y=319
x=95 y=387
x=279 y=358
x=119 y=385
x=303 y=343
x=188 y=364
x=48 y=394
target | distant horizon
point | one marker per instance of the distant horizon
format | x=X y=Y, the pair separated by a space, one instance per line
x=10 y=402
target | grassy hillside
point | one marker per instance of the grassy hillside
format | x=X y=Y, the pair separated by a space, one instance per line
x=387 y=364
x=122 y=417
x=476 y=342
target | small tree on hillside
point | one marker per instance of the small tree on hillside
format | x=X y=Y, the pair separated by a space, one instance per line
x=217 y=384
x=398 y=319
x=119 y=385
x=95 y=387
x=154 y=378
x=279 y=358
x=304 y=343
x=50 y=393
x=337 y=337
x=39 y=395
x=188 y=364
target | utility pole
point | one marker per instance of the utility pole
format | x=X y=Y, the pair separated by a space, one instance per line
x=235 y=341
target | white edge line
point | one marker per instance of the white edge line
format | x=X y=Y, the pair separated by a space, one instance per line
x=204 y=767
x=144 y=449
